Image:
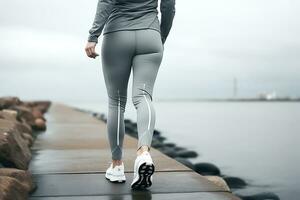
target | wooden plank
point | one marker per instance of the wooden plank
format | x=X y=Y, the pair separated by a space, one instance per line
x=97 y=184
x=149 y=196
x=93 y=160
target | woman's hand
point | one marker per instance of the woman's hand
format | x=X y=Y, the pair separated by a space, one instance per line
x=90 y=50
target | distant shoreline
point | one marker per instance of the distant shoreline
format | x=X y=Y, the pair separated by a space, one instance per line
x=231 y=100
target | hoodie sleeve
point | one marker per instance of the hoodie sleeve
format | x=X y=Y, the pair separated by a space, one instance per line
x=167 y=9
x=104 y=8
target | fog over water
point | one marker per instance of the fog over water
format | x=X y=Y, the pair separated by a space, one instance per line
x=211 y=42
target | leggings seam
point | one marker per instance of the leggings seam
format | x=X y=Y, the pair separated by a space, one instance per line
x=118 y=127
x=149 y=108
x=135 y=42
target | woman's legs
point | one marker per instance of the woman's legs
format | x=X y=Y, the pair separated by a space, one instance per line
x=143 y=51
x=116 y=53
x=145 y=65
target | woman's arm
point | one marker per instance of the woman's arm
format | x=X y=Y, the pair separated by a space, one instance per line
x=104 y=9
x=167 y=9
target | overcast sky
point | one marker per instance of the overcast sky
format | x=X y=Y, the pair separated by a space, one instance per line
x=42 y=50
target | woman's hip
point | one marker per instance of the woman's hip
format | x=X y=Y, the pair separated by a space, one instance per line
x=138 y=41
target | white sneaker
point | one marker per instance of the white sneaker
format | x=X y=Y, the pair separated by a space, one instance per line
x=115 y=174
x=143 y=171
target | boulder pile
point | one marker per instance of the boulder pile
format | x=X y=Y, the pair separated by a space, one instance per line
x=20 y=121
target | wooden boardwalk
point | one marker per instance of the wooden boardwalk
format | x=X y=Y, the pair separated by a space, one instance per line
x=70 y=159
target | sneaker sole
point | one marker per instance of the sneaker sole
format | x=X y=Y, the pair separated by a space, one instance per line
x=145 y=172
x=115 y=181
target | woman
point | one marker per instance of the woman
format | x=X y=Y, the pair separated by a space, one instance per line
x=133 y=38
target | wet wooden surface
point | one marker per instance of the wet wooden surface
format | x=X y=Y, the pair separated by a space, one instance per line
x=71 y=157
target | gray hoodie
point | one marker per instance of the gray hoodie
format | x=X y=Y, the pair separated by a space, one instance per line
x=116 y=15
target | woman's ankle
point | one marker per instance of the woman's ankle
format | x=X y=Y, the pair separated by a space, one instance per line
x=143 y=149
x=117 y=162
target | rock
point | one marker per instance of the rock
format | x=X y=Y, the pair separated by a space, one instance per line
x=8 y=114
x=28 y=138
x=218 y=181
x=235 y=182
x=43 y=106
x=21 y=127
x=24 y=114
x=131 y=129
x=179 y=148
x=127 y=121
x=12 y=189
x=39 y=124
x=6 y=102
x=170 y=144
x=156 y=143
x=37 y=113
x=23 y=176
x=156 y=132
x=169 y=151
x=25 y=128
x=128 y=130
x=260 y=196
x=186 y=154
x=14 y=150
x=185 y=162
x=100 y=116
x=207 y=169
x=160 y=138
x=94 y=114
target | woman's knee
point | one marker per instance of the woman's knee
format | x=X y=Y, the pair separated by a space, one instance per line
x=139 y=95
x=117 y=100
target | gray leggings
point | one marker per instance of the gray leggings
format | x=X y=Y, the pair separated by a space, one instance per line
x=141 y=50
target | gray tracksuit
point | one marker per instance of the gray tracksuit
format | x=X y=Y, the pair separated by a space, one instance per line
x=132 y=39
